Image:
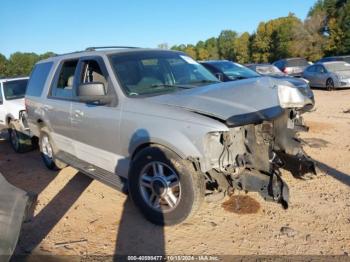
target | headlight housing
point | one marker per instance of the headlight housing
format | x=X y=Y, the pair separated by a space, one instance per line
x=292 y=97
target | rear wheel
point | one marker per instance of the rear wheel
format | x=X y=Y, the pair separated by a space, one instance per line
x=330 y=84
x=165 y=188
x=19 y=141
x=47 y=153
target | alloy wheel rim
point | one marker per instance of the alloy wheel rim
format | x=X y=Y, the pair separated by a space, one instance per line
x=46 y=148
x=160 y=187
x=330 y=84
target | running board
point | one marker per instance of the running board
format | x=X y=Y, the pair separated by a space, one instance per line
x=104 y=176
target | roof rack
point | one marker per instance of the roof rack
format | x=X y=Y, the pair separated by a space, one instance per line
x=93 y=48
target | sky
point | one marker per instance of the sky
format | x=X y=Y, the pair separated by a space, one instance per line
x=70 y=25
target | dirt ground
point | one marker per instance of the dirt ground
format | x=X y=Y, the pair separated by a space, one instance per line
x=99 y=220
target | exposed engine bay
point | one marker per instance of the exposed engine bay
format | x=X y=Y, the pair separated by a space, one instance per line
x=251 y=157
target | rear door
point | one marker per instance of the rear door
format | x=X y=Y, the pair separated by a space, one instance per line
x=96 y=127
x=58 y=105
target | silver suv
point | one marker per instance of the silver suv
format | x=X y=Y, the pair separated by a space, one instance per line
x=158 y=125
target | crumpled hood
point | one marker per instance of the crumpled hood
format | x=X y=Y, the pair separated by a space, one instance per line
x=295 y=81
x=244 y=98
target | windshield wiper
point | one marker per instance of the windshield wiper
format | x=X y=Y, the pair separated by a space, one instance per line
x=168 y=85
x=205 y=81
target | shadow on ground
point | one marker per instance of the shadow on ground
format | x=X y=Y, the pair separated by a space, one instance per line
x=340 y=176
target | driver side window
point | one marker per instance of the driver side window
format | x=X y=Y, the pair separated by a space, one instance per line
x=92 y=73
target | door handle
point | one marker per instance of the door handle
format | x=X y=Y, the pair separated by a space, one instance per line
x=78 y=113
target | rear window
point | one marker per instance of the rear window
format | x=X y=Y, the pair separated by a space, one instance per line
x=15 y=89
x=297 y=62
x=38 y=78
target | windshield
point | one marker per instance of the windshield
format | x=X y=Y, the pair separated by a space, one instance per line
x=15 y=89
x=152 y=73
x=268 y=70
x=337 y=66
x=235 y=71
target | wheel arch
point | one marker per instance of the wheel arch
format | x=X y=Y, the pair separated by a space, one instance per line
x=9 y=118
x=144 y=145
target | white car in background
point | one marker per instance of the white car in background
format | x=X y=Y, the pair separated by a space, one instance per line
x=12 y=92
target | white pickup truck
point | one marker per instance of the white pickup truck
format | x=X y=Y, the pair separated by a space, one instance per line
x=12 y=108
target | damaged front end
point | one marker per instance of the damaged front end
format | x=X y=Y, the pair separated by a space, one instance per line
x=247 y=162
x=249 y=157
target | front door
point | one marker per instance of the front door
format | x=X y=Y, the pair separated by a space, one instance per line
x=96 y=127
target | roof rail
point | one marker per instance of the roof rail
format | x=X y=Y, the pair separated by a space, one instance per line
x=93 y=48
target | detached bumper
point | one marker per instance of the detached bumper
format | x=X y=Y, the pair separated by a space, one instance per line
x=15 y=205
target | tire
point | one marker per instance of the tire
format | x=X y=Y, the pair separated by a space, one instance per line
x=330 y=84
x=188 y=186
x=20 y=142
x=47 y=150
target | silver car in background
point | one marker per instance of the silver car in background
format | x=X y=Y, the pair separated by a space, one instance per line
x=292 y=66
x=329 y=75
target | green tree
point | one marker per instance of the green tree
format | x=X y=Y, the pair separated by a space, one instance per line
x=201 y=51
x=226 y=44
x=211 y=46
x=3 y=65
x=46 y=55
x=260 y=46
x=242 y=44
x=309 y=41
x=336 y=24
x=191 y=51
x=21 y=64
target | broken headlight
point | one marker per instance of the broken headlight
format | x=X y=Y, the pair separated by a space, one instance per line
x=292 y=97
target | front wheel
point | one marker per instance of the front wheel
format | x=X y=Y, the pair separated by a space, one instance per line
x=165 y=188
x=330 y=84
x=47 y=153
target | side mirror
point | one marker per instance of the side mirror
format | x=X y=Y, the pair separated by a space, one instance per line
x=94 y=93
x=91 y=89
x=219 y=76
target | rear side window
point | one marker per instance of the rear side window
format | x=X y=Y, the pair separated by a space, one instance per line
x=62 y=86
x=38 y=78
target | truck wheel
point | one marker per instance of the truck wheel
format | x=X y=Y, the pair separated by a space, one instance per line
x=47 y=153
x=20 y=142
x=164 y=187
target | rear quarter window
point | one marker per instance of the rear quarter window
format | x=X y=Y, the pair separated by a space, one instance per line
x=38 y=78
